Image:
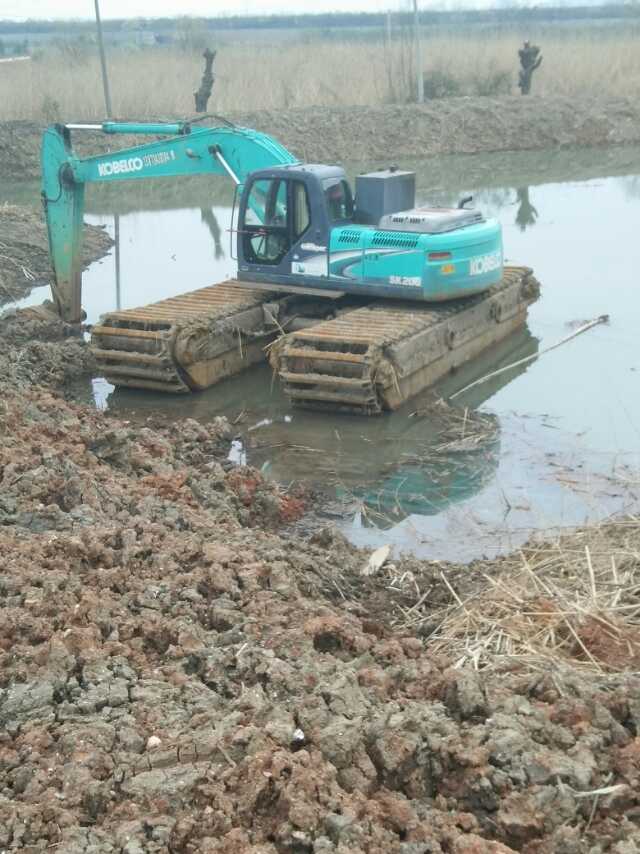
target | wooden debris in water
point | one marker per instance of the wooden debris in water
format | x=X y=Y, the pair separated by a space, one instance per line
x=603 y=318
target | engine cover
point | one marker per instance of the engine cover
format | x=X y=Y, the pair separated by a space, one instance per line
x=430 y=220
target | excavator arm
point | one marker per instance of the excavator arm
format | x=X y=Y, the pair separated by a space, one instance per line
x=225 y=150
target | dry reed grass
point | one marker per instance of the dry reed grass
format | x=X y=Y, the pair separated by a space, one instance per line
x=154 y=82
x=573 y=602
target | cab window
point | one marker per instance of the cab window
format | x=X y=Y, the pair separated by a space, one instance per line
x=267 y=203
x=264 y=232
x=301 y=210
x=338 y=199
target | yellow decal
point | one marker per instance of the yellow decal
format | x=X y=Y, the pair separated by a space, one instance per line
x=447 y=268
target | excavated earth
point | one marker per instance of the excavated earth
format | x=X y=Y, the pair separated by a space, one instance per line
x=24 y=253
x=179 y=674
x=445 y=126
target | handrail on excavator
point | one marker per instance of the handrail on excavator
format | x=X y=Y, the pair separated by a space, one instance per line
x=171 y=129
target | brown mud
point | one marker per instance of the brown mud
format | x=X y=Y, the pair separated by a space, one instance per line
x=24 y=253
x=382 y=134
x=179 y=674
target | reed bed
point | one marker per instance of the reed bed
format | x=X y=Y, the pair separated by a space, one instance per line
x=65 y=82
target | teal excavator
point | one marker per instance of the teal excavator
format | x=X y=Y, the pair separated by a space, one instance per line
x=309 y=250
x=299 y=224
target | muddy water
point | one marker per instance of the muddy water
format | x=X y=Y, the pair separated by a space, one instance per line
x=565 y=440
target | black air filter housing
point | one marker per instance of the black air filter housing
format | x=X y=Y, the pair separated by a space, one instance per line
x=384 y=192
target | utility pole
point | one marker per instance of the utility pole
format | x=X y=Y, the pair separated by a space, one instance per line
x=107 y=104
x=103 y=61
x=116 y=237
x=388 y=57
x=418 y=46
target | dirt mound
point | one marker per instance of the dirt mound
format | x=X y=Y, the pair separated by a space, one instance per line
x=446 y=126
x=450 y=126
x=20 y=143
x=177 y=675
x=24 y=252
x=40 y=349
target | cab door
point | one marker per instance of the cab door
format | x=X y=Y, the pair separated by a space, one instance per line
x=265 y=230
x=275 y=229
x=309 y=252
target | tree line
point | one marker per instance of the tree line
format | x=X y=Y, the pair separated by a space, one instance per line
x=505 y=14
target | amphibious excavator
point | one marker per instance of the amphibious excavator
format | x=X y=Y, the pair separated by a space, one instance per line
x=370 y=298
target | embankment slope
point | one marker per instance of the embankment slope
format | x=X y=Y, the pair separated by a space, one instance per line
x=447 y=126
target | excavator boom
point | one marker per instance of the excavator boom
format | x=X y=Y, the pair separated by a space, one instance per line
x=225 y=150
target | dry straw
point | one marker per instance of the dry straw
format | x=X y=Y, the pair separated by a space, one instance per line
x=576 y=602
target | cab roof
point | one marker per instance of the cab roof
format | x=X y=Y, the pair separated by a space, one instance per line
x=319 y=170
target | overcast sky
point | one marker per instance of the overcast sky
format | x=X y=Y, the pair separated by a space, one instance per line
x=20 y=9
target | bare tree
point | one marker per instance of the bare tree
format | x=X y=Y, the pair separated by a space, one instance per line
x=206 y=85
x=530 y=59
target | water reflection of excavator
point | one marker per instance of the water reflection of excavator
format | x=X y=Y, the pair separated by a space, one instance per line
x=399 y=466
x=402 y=465
x=379 y=298
x=460 y=451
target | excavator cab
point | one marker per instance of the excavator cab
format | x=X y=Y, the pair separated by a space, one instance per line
x=285 y=219
x=300 y=227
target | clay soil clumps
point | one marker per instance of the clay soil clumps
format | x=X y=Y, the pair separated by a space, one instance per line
x=178 y=674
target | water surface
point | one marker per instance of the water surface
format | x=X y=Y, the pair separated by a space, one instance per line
x=564 y=441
